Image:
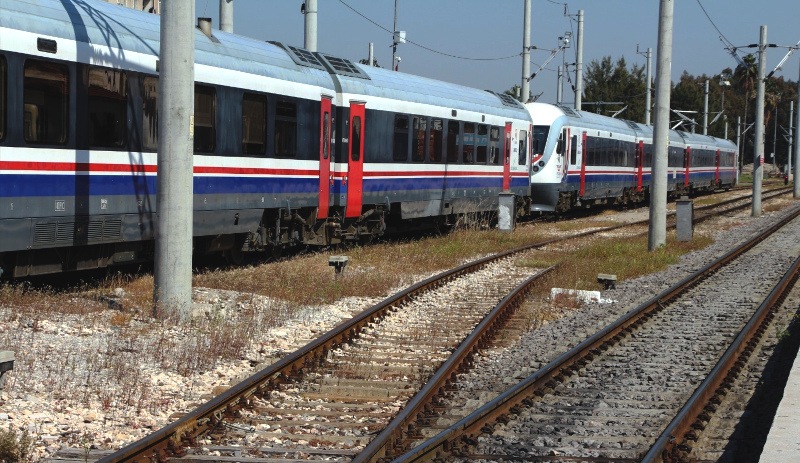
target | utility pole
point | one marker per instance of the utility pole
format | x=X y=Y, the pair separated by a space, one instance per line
x=560 y=86
x=226 y=16
x=649 y=85
x=395 y=66
x=796 y=184
x=705 y=111
x=526 y=52
x=758 y=155
x=657 y=230
x=174 y=196
x=791 y=140
x=371 y=56
x=310 y=13
x=579 y=64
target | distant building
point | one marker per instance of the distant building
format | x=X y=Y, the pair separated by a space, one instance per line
x=151 y=6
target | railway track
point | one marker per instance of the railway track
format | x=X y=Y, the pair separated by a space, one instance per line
x=340 y=363
x=610 y=397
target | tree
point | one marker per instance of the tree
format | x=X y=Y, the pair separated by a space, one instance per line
x=605 y=82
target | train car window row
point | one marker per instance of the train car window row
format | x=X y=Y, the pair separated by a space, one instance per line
x=108 y=108
x=254 y=124
x=609 y=152
x=46 y=102
x=3 y=104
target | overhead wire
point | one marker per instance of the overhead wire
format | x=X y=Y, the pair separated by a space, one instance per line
x=428 y=48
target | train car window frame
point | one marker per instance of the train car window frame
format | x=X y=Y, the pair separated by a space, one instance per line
x=107 y=105
x=3 y=96
x=205 y=114
x=400 y=142
x=435 y=140
x=494 y=141
x=59 y=107
x=285 y=132
x=523 y=147
x=453 y=136
x=482 y=144
x=418 y=145
x=149 y=87
x=468 y=143
x=573 y=151
x=355 y=139
x=254 y=124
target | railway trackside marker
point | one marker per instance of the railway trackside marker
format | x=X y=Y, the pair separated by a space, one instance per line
x=6 y=364
x=607 y=280
x=338 y=263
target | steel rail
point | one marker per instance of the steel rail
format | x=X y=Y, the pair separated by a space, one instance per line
x=671 y=443
x=405 y=422
x=464 y=432
x=169 y=439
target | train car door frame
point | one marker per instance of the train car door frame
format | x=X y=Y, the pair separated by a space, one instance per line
x=687 y=162
x=354 y=178
x=716 y=169
x=507 y=158
x=582 y=190
x=639 y=165
x=325 y=157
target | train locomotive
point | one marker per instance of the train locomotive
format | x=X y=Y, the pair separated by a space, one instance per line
x=581 y=159
x=290 y=147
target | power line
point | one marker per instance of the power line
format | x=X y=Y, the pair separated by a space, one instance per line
x=427 y=48
x=722 y=36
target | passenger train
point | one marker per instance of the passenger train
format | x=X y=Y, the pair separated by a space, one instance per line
x=584 y=159
x=290 y=147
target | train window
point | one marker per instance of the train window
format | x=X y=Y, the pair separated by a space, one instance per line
x=573 y=150
x=523 y=147
x=46 y=100
x=355 y=139
x=540 y=138
x=3 y=103
x=468 y=144
x=254 y=124
x=108 y=108
x=482 y=143
x=494 y=148
x=453 y=130
x=285 y=129
x=560 y=144
x=204 y=118
x=400 y=149
x=150 y=112
x=435 y=140
x=418 y=144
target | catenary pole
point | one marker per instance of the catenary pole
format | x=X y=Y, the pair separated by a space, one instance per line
x=560 y=86
x=311 y=25
x=174 y=197
x=649 y=84
x=579 y=64
x=791 y=139
x=705 y=111
x=526 y=52
x=226 y=15
x=758 y=155
x=657 y=230
x=394 y=39
x=796 y=157
x=371 y=56
x=738 y=149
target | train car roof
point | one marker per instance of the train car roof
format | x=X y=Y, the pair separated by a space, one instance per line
x=394 y=85
x=132 y=31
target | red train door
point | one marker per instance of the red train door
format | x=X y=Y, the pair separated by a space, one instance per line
x=687 y=161
x=325 y=174
x=716 y=169
x=355 y=162
x=639 y=164
x=582 y=190
x=507 y=159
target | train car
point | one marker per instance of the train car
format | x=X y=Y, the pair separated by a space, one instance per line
x=290 y=147
x=582 y=159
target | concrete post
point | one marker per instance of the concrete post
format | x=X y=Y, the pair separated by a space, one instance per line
x=226 y=15
x=311 y=25
x=705 y=111
x=791 y=140
x=796 y=157
x=758 y=155
x=738 y=147
x=649 y=84
x=174 y=197
x=657 y=231
x=579 y=64
x=560 y=86
x=371 y=56
x=526 y=52
x=394 y=39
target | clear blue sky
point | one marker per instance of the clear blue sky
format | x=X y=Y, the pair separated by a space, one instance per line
x=493 y=28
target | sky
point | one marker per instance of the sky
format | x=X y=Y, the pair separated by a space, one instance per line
x=474 y=30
